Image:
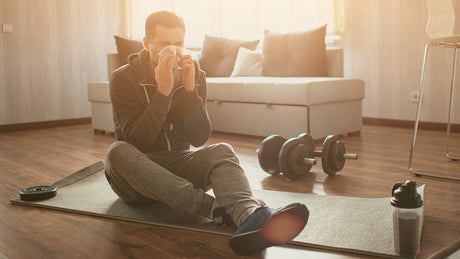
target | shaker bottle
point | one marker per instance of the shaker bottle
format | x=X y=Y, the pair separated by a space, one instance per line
x=407 y=218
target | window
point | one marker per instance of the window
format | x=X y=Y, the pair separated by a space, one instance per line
x=239 y=19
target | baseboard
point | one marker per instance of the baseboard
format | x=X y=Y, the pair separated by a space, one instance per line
x=44 y=124
x=366 y=120
x=437 y=126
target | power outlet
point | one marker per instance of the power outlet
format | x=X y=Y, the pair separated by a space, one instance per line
x=8 y=28
x=414 y=96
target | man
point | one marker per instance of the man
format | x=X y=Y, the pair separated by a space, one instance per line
x=158 y=112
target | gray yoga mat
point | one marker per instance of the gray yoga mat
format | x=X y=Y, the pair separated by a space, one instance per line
x=360 y=225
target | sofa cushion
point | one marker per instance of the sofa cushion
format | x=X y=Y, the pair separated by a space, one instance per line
x=126 y=47
x=218 y=54
x=248 y=63
x=297 y=54
x=283 y=90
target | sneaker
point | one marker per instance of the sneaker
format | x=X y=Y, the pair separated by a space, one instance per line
x=266 y=227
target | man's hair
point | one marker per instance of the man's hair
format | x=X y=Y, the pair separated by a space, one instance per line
x=165 y=18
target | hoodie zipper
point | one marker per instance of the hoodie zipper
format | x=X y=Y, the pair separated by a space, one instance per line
x=168 y=142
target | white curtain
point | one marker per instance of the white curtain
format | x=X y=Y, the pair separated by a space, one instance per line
x=239 y=19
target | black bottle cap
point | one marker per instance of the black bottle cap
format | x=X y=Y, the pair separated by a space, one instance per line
x=405 y=195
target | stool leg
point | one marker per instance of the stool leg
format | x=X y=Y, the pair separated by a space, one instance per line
x=419 y=106
x=422 y=84
x=451 y=101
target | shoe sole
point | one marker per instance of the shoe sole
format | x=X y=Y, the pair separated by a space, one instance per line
x=282 y=227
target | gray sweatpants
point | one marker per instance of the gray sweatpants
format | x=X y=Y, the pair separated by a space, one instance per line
x=181 y=178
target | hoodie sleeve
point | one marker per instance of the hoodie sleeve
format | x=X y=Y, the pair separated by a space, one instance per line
x=196 y=122
x=139 y=125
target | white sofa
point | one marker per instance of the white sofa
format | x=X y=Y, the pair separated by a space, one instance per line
x=262 y=106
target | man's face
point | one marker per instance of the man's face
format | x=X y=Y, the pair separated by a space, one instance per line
x=164 y=36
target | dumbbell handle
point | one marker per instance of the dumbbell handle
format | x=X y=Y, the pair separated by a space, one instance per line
x=345 y=156
x=350 y=156
x=309 y=161
x=317 y=153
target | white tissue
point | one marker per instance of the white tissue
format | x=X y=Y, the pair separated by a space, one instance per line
x=177 y=51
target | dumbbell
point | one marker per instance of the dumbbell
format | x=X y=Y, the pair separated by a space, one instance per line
x=292 y=157
x=333 y=155
x=295 y=157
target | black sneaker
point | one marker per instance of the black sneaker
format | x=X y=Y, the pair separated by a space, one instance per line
x=266 y=227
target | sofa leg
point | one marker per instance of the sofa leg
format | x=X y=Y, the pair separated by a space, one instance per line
x=354 y=133
x=96 y=131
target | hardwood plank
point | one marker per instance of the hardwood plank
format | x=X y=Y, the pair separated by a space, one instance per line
x=44 y=156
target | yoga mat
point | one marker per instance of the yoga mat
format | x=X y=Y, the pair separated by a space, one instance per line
x=360 y=225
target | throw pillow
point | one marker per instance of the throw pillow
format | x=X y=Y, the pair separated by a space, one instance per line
x=126 y=47
x=248 y=63
x=218 y=54
x=295 y=54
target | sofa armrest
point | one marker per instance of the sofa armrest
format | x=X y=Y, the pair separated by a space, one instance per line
x=113 y=62
x=99 y=92
x=334 y=58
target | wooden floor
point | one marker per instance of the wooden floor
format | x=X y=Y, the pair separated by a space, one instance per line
x=35 y=157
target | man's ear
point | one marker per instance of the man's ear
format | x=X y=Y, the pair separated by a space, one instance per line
x=145 y=42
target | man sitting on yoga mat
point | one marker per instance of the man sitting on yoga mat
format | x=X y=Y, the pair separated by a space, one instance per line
x=159 y=110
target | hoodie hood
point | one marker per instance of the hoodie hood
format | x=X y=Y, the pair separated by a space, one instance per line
x=140 y=62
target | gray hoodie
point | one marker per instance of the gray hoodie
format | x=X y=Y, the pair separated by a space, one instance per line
x=151 y=121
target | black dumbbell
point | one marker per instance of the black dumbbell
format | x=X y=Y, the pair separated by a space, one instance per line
x=295 y=157
x=268 y=153
x=333 y=155
x=292 y=157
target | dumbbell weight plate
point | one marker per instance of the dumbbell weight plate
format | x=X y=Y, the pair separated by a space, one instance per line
x=326 y=157
x=292 y=154
x=308 y=140
x=336 y=160
x=38 y=193
x=268 y=154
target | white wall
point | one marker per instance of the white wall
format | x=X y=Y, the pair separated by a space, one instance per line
x=60 y=45
x=57 y=47
x=384 y=44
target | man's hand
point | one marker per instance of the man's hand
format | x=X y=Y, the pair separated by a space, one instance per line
x=187 y=74
x=164 y=75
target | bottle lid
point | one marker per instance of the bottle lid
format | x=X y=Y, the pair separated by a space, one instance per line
x=405 y=195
